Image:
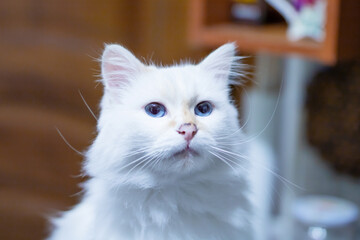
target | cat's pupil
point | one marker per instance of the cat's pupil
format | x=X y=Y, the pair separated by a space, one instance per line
x=203 y=109
x=155 y=110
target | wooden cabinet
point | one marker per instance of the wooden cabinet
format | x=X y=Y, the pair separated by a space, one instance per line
x=48 y=54
x=209 y=28
x=47 y=57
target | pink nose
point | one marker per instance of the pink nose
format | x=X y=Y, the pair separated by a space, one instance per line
x=188 y=130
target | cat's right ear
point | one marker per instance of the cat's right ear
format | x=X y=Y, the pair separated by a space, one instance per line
x=223 y=64
x=118 y=67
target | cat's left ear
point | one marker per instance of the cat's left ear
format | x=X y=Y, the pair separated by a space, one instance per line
x=222 y=62
x=119 y=67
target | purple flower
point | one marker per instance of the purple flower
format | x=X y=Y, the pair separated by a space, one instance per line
x=298 y=4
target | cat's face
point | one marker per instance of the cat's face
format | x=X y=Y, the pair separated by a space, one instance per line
x=163 y=120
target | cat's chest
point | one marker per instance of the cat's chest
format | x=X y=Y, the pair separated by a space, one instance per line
x=173 y=211
x=162 y=206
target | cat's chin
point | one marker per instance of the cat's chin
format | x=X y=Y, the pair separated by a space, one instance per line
x=186 y=153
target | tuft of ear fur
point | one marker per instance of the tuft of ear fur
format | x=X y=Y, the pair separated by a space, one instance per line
x=223 y=63
x=118 y=67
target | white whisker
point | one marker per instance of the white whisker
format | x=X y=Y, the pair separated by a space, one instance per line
x=67 y=143
x=139 y=151
x=135 y=161
x=283 y=179
x=88 y=107
x=223 y=160
x=251 y=138
x=154 y=158
x=159 y=158
x=225 y=151
x=250 y=113
x=145 y=158
x=232 y=161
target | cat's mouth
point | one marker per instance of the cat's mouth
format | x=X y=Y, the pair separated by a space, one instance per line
x=186 y=153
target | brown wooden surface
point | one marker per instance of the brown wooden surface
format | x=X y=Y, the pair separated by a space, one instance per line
x=47 y=57
x=342 y=32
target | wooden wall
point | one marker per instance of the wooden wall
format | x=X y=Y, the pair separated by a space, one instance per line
x=47 y=51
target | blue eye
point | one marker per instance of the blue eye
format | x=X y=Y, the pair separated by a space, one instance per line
x=155 y=110
x=203 y=109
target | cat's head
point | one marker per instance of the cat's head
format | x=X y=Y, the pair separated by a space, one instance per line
x=158 y=121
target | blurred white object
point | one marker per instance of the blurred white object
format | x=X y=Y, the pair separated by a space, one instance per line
x=309 y=21
x=324 y=218
x=261 y=181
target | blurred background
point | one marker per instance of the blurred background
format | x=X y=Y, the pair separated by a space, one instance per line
x=301 y=105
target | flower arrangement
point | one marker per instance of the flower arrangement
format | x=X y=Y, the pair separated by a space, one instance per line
x=305 y=18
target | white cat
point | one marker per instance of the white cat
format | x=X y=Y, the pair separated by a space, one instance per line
x=169 y=161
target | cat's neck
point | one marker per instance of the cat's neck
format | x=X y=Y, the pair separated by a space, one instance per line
x=213 y=180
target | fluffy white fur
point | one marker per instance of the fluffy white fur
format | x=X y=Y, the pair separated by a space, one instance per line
x=138 y=188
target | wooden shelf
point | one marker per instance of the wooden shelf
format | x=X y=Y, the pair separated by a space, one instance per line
x=251 y=38
x=272 y=38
